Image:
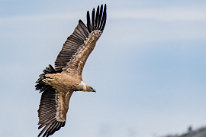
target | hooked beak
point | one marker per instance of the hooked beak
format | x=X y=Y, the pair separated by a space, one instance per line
x=93 y=90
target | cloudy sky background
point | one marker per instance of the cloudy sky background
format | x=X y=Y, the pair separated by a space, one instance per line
x=148 y=67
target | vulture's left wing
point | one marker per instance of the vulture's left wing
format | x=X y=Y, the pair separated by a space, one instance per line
x=52 y=110
x=80 y=44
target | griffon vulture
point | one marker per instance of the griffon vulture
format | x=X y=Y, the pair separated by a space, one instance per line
x=58 y=84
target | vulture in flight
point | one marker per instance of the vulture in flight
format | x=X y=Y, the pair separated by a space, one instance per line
x=58 y=83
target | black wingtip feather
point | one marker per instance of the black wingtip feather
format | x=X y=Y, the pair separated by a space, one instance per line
x=93 y=19
x=104 y=18
x=98 y=19
x=88 y=22
x=100 y=13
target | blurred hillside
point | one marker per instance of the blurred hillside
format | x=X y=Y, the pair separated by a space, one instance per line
x=201 y=132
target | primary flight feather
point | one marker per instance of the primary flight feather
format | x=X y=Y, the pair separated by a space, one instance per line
x=58 y=84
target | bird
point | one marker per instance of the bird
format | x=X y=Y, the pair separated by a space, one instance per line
x=57 y=84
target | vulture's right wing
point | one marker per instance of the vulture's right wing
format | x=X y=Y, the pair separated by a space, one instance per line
x=80 y=44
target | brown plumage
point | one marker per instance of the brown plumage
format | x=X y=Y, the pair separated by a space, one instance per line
x=58 y=84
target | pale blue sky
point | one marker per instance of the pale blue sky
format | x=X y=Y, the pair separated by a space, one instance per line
x=148 y=67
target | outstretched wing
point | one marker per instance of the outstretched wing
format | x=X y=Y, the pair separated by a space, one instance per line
x=80 y=44
x=52 y=111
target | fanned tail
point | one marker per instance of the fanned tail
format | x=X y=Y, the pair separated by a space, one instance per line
x=40 y=84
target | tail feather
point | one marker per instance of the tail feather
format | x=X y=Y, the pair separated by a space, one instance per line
x=40 y=84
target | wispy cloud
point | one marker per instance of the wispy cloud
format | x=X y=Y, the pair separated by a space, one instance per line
x=173 y=14
x=162 y=14
x=41 y=17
